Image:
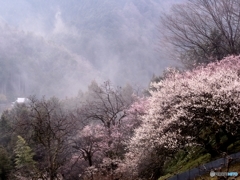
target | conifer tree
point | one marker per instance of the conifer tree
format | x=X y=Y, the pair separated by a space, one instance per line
x=5 y=164
x=24 y=157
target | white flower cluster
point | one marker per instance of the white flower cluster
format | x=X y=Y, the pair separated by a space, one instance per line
x=184 y=104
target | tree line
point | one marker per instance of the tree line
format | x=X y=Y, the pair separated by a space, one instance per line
x=116 y=133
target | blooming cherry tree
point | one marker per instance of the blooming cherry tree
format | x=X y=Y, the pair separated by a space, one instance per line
x=196 y=107
x=91 y=142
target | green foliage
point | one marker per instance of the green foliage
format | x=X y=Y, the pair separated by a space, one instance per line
x=165 y=177
x=24 y=154
x=184 y=160
x=5 y=164
x=5 y=129
x=233 y=148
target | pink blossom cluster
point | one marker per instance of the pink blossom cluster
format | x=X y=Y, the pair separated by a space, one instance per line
x=187 y=103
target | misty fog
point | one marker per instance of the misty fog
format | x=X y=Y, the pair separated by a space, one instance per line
x=59 y=47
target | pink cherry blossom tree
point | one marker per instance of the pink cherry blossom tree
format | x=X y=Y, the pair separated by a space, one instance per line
x=91 y=142
x=94 y=140
x=109 y=116
x=194 y=108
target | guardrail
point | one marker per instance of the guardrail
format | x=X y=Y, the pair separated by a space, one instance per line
x=206 y=168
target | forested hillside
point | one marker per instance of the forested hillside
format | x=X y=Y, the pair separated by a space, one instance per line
x=82 y=65
x=32 y=65
x=59 y=47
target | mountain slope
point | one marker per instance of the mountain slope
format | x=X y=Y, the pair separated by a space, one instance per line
x=106 y=39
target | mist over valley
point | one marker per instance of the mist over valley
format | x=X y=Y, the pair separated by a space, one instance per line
x=56 y=48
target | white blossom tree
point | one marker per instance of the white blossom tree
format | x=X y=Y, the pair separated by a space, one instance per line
x=195 y=108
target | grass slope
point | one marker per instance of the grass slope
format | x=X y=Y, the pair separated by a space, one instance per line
x=184 y=161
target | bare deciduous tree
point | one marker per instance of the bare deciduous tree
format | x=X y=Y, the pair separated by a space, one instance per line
x=106 y=105
x=49 y=128
x=104 y=111
x=203 y=31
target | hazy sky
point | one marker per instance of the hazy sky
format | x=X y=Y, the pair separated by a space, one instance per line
x=115 y=40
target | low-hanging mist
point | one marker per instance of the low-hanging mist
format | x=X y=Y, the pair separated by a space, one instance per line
x=58 y=47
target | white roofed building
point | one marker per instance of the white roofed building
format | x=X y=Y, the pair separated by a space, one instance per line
x=20 y=101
